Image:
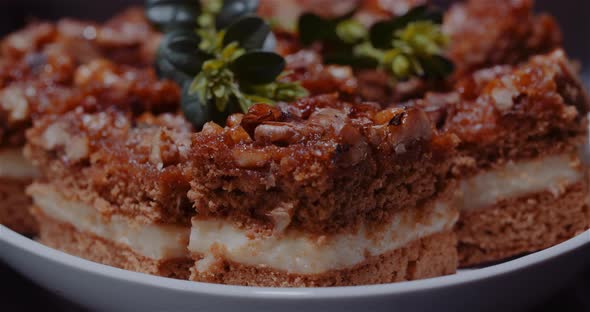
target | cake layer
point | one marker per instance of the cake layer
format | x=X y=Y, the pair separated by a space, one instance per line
x=154 y=241
x=65 y=237
x=517 y=179
x=131 y=162
x=298 y=252
x=330 y=165
x=430 y=256
x=15 y=205
x=524 y=224
x=13 y=164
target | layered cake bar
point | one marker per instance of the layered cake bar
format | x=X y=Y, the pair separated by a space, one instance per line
x=315 y=193
x=109 y=189
x=523 y=184
x=38 y=68
x=302 y=172
x=321 y=193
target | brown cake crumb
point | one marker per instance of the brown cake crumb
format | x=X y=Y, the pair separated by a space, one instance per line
x=521 y=225
x=487 y=33
x=14 y=203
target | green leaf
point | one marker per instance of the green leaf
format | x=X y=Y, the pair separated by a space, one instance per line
x=231 y=52
x=233 y=10
x=249 y=32
x=199 y=112
x=181 y=49
x=199 y=87
x=166 y=70
x=401 y=66
x=289 y=91
x=381 y=33
x=351 y=31
x=195 y=111
x=437 y=67
x=221 y=101
x=312 y=28
x=172 y=14
x=258 y=67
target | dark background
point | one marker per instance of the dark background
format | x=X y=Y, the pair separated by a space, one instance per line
x=18 y=294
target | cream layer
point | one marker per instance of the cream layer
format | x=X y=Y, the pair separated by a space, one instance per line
x=296 y=252
x=14 y=165
x=516 y=179
x=158 y=242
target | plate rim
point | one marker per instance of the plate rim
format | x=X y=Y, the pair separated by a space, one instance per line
x=30 y=246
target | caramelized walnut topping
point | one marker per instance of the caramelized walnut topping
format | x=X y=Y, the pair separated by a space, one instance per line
x=277 y=133
x=258 y=114
x=543 y=96
x=212 y=128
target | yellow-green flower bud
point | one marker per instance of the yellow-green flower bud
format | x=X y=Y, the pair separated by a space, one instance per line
x=351 y=31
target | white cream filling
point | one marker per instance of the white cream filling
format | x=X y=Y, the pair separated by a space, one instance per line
x=296 y=253
x=515 y=179
x=14 y=165
x=156 y=242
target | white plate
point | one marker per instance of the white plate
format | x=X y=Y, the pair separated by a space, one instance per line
x=503 y=287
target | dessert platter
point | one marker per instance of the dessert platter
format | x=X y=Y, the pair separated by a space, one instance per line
x=317 y=155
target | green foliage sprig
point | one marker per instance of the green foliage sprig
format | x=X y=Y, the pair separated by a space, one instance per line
x=223 y=60
x=405 y=46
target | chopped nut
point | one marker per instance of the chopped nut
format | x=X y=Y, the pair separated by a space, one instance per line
x=281 y=216
x=415 y=126
x=234 y=120
x=211 y=128
x=77 y=148
x=164 y=151
x=503 y=98
x=14 y=101
x=239 y=135
x=258 y=114
x=250 y=158
x=276 y=132
x=56 y=136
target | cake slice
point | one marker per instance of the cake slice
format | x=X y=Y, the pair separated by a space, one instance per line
x=315 y=193
x=321 y=193
x=101 y=144
x=524 y=184
x=112 y=190
x=38 y=75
